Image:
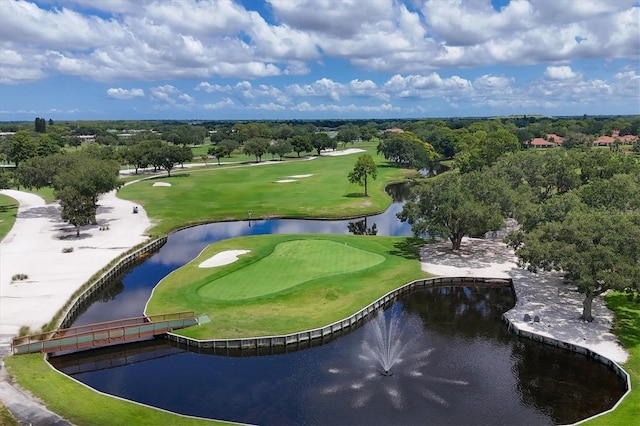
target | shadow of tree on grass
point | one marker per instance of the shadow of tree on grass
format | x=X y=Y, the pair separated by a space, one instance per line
x=409 y=248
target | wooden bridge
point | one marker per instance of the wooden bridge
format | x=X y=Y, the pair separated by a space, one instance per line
x=103 y=334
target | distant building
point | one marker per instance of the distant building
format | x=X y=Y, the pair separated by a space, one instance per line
x=394 y=130
x=550 y=140
x=87 y=138
x=610 y=140
x=5 y=135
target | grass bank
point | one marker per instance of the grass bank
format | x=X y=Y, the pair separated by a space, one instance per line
x=308 y=280
x=8 y=212
x=627 y=328
x=316 y=188
x=81 y=405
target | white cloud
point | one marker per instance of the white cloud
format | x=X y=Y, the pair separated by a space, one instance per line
x=324 y=87
x=171 y=95
x=626 y=84
x=224 y=103
x=559 y=73
x=271 y=107
x=120 y=93
x=119 y=40
x=211 y=88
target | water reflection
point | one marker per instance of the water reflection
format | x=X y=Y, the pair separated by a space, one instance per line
x=463 y=367
x=359 y=227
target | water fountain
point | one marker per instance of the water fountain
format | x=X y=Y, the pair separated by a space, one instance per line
x=390 y=364
x=386 y=344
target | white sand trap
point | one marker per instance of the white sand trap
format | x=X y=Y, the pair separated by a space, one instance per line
x=162 y=184
x=285 y=180
x=343 y=152
x=300 y=176
x=222 y=258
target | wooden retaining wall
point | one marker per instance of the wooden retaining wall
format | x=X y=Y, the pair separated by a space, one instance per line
x=78 y=305
x=619 y=371
x=336 y=328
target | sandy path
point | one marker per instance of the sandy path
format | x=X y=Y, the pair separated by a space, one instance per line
x=34 y=247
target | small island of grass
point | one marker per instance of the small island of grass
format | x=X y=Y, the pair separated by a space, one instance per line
x=308 y=280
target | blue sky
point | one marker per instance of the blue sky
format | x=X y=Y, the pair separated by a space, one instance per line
x=304 y=59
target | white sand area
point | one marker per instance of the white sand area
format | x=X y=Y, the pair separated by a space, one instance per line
x=34 y=247
x=286 y=180
x=300 y=176
x=348 y=151
x=542 y=294
x=162 y=184
x=222 y=258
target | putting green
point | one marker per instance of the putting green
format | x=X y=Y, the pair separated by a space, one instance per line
x=285 y=282
x=291 y=263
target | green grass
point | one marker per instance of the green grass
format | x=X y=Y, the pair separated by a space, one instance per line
x=6 y=418
x=627 y=328
x=8 y=212
x=290 y=264
x=308 y=280
x=81 y=405
x=229 y=192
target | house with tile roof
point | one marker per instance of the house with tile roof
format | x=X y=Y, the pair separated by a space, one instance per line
x=550 y=140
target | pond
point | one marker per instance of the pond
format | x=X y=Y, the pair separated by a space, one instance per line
x=458 y=364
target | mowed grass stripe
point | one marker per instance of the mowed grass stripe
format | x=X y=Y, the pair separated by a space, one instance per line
x=292 y=263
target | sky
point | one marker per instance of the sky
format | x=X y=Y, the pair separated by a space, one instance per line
x=311 y=59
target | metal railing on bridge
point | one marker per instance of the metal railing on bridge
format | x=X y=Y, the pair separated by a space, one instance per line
x=103 y=334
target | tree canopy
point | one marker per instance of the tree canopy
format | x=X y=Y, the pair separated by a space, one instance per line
x=586 y=224
x=407 y=150
x=454 y=205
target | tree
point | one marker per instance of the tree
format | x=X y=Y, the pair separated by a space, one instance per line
x=88 y=176
x=77 y=209
x=282 y=132
x=576 y=140
x=365 y=166
x=256 y=147
x=320 y=141
x=185 y=135
x=301 y=143
x=407 y=150
x=482 y=148
x=218 y=151
x=75 y=141
x=46 y=145
x=450 y=206
x=21 y=147
x=40 y=125
x=230 y=144
x=597 y=249
x=348 y=133
x=5 y=179
x=167 y=156
x=138 y=155
x=280 y=148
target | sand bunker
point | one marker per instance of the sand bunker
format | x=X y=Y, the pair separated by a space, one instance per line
x=285 y=180
x=222 y=258
x=343 y=152
x=300 y=176
x=162 y=184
